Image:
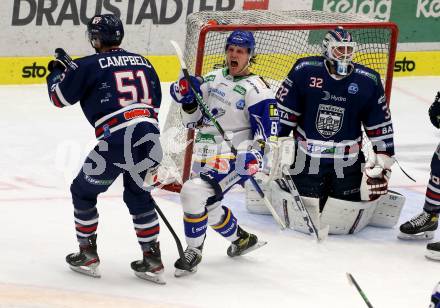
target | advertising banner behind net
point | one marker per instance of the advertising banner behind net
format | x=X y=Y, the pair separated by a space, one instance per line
x=36 y=27
x=418 y=20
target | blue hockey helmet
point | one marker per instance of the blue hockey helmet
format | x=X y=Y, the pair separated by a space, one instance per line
x=243 y=39
x=106 y=28
x=338 y=47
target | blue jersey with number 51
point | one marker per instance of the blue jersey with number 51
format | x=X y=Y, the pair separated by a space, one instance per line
x=115 y=89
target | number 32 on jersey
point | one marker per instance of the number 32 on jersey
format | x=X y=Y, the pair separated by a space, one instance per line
x=315 y=82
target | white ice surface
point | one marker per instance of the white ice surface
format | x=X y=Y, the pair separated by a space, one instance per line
x=43 y=148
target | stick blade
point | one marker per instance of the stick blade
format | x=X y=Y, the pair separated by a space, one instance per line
x=179 y=53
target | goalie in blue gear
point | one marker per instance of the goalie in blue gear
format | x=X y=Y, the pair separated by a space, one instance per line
x=325 y=101
x=243 y=104
x=119 y=93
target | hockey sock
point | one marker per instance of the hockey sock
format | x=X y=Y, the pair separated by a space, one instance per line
x=195 y=228
x=227 y=227
x=86 y=223
x=147 y=228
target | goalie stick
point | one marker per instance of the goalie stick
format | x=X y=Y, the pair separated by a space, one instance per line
x=204 y=108
x=320 y=234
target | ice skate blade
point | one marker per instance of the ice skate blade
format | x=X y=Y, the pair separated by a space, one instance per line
x=182 y=273
x=427 y=235
x=86 y=270
x=432 y=255
x=153 y=277
x=256 y=246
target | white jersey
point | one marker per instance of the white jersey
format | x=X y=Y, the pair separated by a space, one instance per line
x=244 y=107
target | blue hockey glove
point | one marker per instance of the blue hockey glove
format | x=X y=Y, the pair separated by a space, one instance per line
x=434 y=111
x=248 y=163
x=181 y=91
x=61 y=62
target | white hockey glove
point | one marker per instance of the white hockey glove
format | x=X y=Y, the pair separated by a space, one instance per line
x=376 y=175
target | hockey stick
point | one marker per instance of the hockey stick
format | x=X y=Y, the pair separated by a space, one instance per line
x=320 y=234
x=205 y=110
x=352 y=281
x=173 y=233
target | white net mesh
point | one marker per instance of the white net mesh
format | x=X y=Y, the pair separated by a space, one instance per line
x=281 y=38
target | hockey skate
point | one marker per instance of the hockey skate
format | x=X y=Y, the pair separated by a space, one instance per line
x=245 y=243
x=150 y=267
x=86 y=261
x=433 y=251
x=419 y=227
x=193 y=256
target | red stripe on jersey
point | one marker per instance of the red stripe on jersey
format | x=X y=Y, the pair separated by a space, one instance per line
x=432 y=195
x=55 y=100
x=147 y=232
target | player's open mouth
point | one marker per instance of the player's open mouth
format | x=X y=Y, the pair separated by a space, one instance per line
x=234 y=63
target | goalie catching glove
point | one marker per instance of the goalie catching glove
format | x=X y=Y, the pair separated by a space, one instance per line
x=375 y=179
x=181 y=91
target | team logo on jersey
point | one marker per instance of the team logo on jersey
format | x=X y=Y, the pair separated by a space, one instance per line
x=240 y=104
x=239 y=89
x=353 y=88
x=328 y=96
x=209 y=78
x=329 y=120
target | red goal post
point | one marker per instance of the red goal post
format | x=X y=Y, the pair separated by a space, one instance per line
x=281 y=39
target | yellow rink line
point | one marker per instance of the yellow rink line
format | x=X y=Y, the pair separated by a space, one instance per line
x=32 y=70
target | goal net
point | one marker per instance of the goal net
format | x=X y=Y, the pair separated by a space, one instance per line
x=281 y=37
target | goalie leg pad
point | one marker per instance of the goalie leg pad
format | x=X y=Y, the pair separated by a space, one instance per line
x=254 y=203
x=388 y=210
x=286 y=209
x=347 y=217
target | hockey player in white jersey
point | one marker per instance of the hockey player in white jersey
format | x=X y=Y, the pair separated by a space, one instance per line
x=244 y=105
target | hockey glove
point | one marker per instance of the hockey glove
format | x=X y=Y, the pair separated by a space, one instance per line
x=434 y=111
x=181 y=91
x=248 y=163
x=61 y=62
x=375 y=179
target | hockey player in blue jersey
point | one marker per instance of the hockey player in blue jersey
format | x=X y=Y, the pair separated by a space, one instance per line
x=119 y=93
x=325 y=100
x=245 y=107
x=424 y=225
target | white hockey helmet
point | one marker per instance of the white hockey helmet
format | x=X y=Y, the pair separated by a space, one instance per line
x=338 y=47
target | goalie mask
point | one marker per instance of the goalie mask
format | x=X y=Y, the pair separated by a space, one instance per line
x=338 y=48
x=105 y=30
